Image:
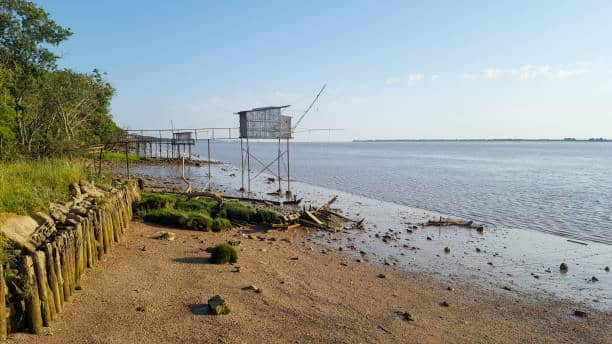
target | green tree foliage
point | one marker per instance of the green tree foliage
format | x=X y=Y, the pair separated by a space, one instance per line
x=45 y=111
x=27 y=31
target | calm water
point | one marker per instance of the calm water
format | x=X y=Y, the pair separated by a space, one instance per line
x=555 y=187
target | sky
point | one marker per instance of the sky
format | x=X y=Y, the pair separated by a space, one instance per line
x=393 y=69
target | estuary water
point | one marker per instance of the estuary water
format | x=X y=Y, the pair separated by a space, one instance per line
x=563 y=188
x=543 y=203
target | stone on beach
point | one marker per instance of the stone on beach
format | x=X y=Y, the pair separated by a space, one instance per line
x=580 y=314
x=217 y=305
x=170 y=236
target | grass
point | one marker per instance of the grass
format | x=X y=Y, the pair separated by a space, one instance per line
x=114 y=156
x=236 y=211
x=179 y=218
x=219 y=224
x=202 y=213
x=29 y=186
x=223 y=253
x=265 y=215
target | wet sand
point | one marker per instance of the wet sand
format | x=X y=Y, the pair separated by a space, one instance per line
x=150 y=290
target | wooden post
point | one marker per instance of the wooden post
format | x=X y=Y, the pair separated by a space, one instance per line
x=4 y=314
x=127 y=161
x=52 y=274
x=63 y=247
x=58 y=271
x=209 y=176
x=80 y=259
x=242 y=164
x=288 y=171
x=278 y=163
x=32 y=300
x=100 y=162
x=46 y=298
x=248 y=152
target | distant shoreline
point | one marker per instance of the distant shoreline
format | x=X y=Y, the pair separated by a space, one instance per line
x=487 y=140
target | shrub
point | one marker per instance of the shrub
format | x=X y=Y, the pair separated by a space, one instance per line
x=199 y=221
x=236 y=211
x=265 y=215
x=223 y=253
x=166 y=217
x=220 y=224
x=201 y=204
x=152 y=201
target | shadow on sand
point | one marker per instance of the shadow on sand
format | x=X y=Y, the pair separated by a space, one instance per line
x=193 y=260
x=198 y=308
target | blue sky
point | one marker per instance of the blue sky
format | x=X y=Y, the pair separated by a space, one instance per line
x=394 y=69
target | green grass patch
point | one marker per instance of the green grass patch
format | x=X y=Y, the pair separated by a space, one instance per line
x=236 y=211
x=152 y=201
x=201 y=213
x=223 y=253
x=115 y=156
x=29 y=186
x=204 y=204
x=179 y=219
x=265 y=215
x=220 y=224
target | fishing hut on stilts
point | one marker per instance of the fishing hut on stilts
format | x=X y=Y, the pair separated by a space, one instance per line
x=265 y=123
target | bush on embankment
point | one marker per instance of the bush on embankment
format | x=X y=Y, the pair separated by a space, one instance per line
x=29 y=186
x=202 y=213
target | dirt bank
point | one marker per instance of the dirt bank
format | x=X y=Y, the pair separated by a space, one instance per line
x=151 y=291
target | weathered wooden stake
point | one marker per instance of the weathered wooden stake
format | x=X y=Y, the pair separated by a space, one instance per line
x=48 y=309
x=4 y=314
x=32 y=300
x=52 y=274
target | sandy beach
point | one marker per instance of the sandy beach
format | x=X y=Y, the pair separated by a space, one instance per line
x=151 y=290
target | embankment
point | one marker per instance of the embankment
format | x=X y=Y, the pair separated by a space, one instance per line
x=49 y=253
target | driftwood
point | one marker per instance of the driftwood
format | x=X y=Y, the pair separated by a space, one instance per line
x=327 y=205
x=445 y=222
x=312 y=224
x=342 y=216
x=313 y=217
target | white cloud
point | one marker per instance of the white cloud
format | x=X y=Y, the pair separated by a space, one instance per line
x=411 y=79
x=529 y=72
x=393 y=80
x=415 y=77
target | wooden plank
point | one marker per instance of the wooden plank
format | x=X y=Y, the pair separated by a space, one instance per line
x=313 y=217
x=328 y=204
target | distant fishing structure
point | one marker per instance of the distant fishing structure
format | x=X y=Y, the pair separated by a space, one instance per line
x=262 y=123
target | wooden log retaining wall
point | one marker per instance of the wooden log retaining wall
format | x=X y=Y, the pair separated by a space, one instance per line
x=75 y=240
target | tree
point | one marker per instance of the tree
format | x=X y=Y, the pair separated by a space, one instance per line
x=8 y=140
x=45 y=111
x=27 y=30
